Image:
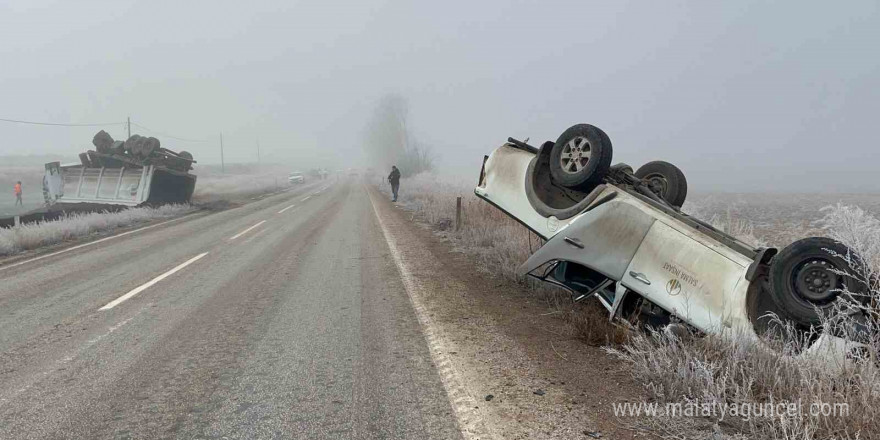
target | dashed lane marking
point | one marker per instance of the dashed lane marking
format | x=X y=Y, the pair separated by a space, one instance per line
x=150 y=283
x=91 y=243
x=246 y=230
x=285 y=209
x=255 y=235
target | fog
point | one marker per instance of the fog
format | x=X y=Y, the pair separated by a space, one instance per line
x=743 y=96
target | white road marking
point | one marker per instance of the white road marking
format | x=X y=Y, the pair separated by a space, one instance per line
x=149 y=284
x=307 y=197
x=470 y=422
x=285 y=209
x=80 y=246
x=255 y=235
x=246 y=230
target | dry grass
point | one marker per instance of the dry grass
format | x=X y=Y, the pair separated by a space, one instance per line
x=499 y=245
x=777 y=219
x=722 y=370
x=735 y=370
x=589 y=321
x=32 y=236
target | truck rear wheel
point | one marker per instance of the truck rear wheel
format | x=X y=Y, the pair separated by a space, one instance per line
x=665 y=180
x=581 y=157
x=805 y=276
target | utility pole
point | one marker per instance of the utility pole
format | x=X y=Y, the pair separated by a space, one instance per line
x=129 y=128
x=258 y=150
x=222 y=163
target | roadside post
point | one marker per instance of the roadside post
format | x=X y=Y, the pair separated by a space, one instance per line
x=17 y=221
x=458 y=213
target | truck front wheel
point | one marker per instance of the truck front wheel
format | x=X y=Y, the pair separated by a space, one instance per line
x=581 y=157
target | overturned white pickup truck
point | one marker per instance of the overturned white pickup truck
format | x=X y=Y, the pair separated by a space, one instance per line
x=619 y=235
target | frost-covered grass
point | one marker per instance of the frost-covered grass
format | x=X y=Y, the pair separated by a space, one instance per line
x=777 y=218
x=238 y=181
x=32 y=236
x=237 y=186
x=708 y=370
x=498 y=244
x=743 y=371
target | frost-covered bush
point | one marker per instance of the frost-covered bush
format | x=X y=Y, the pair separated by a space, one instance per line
x=32 y=236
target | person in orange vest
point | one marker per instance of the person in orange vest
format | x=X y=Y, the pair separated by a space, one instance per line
x=17 y=189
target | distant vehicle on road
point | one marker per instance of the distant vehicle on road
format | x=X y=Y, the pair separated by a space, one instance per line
x=296 y=177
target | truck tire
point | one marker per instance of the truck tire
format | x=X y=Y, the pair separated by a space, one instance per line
x=132 y=145
x=581 y=157
x=803 y=277
x=149 y=146
x=665 y=180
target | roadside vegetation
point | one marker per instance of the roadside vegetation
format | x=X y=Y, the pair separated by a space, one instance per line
x=77 y=226
x=238 y=181
x=720 y=371
x=499 y=245
x=390 y=140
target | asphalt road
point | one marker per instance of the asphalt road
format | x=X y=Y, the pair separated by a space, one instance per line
x=283 y=318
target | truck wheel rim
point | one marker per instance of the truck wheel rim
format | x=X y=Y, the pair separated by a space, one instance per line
x=657 y=184
x=816 y=281
x=575 y=155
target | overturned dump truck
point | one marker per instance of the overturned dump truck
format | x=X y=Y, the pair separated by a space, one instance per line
x=135 y=172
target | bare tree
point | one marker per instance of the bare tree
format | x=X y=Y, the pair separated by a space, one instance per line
x=390 y=142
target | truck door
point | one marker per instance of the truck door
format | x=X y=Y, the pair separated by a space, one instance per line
x=683 y=276
x=603 y=239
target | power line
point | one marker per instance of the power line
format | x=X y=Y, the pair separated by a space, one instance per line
x=170 y=136
x=16 y=121
x=56 y=124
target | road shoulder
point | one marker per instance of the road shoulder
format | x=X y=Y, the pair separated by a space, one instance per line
x=503 y=343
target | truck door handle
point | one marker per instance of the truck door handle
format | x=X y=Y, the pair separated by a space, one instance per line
x=574 y=242
x=640 y=276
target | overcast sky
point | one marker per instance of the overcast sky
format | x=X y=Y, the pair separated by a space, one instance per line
x=742 y=95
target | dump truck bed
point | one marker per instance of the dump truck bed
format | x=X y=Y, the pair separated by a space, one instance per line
x=125 y=186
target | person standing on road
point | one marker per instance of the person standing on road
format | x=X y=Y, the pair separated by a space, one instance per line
x=17 y=190
x=394 y=180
